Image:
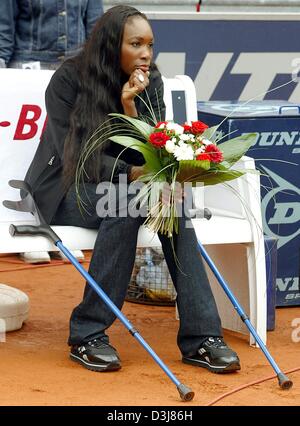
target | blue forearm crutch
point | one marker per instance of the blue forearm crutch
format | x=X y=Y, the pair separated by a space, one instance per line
x=27 y=204
x=283 y=380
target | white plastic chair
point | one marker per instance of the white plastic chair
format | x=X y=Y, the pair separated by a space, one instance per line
x=233 y=237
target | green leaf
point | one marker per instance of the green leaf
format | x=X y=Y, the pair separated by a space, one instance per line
x=189 y=169
x=201 y=171
x=235 y=148
x=215 y=177
x=149 y=154
x=141 y=126
x=220 y=177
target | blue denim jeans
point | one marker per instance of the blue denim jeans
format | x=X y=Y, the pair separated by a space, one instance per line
x=111 y=266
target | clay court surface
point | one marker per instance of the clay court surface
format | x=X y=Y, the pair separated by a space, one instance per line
x=36 y=370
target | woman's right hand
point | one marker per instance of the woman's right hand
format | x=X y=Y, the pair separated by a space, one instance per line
x=136 y=84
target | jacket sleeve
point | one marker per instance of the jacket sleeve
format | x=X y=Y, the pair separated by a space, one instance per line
x=8 y=15
x=111 y=168
x=93 y=11
x=60 y=98
x=61 y=95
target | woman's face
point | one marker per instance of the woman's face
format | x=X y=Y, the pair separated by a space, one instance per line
x=137 y=45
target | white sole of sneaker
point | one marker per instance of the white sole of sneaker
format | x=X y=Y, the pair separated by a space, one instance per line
x=95 y=367
x=229 y=368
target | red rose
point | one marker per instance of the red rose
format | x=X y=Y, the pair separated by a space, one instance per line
x=160 y=123
x=187 y=128
x=198 y=127
x=158 y=139
x=214 y=153
x=203 y=157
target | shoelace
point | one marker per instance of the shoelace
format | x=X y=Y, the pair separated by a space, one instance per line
x=217 y=342
x=98 y=343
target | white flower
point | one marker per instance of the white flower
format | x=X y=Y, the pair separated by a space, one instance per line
x=184 y=137
x=183 y=152
x=200 y=150
x=170 y=145
x=182 y=144
x=206 y=141
x=176 y=127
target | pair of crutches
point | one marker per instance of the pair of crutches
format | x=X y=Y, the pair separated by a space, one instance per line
x=27 y=204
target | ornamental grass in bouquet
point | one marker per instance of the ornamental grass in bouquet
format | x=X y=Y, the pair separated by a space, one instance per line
x=173 y=153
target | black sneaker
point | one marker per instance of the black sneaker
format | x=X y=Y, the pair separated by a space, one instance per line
x=96 y=355
x=214 y=355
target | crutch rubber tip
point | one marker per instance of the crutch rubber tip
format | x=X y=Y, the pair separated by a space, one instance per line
x=186 y=394
x=284 y=381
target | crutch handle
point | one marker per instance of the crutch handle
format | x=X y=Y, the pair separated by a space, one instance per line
x=207 y=213
x=31 y=230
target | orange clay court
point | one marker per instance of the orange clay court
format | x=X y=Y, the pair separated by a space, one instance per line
x=36 y=370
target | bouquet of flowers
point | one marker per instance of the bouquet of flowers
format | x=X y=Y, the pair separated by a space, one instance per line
x=173 y=154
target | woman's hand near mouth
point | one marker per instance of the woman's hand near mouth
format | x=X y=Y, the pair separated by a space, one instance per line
x=137 y=82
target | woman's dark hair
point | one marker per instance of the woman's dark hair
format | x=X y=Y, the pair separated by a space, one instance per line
x=100 y=82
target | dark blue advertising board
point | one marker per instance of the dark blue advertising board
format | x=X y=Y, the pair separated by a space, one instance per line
x=276 y=152
x=231 y=56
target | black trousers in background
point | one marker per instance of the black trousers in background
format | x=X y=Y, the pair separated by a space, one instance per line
x=112 y=264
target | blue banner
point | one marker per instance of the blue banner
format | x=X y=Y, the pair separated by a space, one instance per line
x=231 y=59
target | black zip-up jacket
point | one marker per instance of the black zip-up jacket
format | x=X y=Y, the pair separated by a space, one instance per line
x=45 y=174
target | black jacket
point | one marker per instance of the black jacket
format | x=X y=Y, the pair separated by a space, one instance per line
x=45 y=172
